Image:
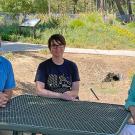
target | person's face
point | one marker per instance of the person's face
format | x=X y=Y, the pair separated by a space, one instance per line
x=57 y=49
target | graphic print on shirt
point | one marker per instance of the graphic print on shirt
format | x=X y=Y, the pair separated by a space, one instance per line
x=58 y=83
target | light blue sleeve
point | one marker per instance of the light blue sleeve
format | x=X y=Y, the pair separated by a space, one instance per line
x=131 y=95
x=10 y=82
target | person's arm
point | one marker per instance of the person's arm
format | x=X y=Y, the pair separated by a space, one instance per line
x=132 y=110
x=130 y=102
x=5 y=97
x=40 y=85
x=10 y=81
x=73 y=93
x=41 y=91
x=74 y=90
x=6 y=94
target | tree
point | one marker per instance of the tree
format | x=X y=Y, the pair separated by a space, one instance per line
x=102 y=6
x=75 y=4
x=121 y=11
x=40 y=6
x=129 y=9
x=16 y=6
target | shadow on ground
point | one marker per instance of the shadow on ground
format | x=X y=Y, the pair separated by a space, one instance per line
x=24 y=88
x=30 y=54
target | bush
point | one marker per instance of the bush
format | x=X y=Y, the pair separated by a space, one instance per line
x=76 y=23
x=5 y=37
x=94 y=18
x=7 y=30
x=53 y=22
x=13 y=37
x=131 y=25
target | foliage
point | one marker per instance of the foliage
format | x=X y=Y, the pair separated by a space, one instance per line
x=84 y=30
x=131 y=25
x=13 y=37
x=76 y=23
x=16 y=6
x=65 y=6
x=5 y=36
x=40 y=6
x=9 y=32
x=94 y=17
x=125 y=33
x=53 y=22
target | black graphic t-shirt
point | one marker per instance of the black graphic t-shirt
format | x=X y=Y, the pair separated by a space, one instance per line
x=57 y=78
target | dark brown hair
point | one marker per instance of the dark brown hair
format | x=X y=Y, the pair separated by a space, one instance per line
x=58 y=38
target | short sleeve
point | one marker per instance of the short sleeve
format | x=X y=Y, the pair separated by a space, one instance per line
x=40 y=74
x=75 y=73
x=10 y=82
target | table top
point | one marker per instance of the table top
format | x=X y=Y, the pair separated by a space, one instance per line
x=55 y=116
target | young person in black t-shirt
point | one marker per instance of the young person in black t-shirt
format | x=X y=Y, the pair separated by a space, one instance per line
x=57 y=77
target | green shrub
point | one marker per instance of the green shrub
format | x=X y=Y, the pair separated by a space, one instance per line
x=5 y=37
x=7 y=30
x=13 y=37
x=76 y=24
x=131 y=25
x=94 y=18
x=53 y=22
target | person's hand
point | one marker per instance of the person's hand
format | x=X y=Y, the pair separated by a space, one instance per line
x=3 y=99
x=67 y=96
x=131 y=121
x=68 y=92
x=132 y=110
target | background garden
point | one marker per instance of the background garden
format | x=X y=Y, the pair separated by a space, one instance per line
x=101 y=24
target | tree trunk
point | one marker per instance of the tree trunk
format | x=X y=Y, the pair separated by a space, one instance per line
x=75 y=4
x=129 y=9
x=74 y=10
x=102 y=7
x=49 y=8
x=121 y=11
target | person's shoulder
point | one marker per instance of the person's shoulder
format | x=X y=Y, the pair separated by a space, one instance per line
x=6 y=63
x=5 y=60
x=46 y=62
x=69 y=62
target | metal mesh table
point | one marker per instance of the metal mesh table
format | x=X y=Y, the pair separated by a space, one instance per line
x=54 y=116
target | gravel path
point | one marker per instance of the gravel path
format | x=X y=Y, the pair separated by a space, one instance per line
x=17 y=46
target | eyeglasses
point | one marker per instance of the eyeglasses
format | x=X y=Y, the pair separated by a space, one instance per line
x=54 y=46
